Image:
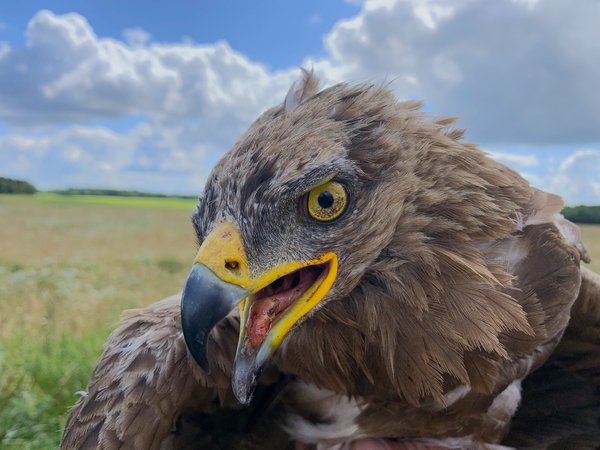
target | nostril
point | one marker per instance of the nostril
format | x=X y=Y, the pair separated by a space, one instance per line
x=233 y=266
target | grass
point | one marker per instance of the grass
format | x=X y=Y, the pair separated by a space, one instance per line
x=148 y=202
x=68 y=267
x=590 y=234
x=67 y=271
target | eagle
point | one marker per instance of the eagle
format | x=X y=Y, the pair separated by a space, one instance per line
x=365 y=279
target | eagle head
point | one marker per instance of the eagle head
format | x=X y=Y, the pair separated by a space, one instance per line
x=346 y=210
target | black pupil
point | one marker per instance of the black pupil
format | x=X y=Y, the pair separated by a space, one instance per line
x=325 y=199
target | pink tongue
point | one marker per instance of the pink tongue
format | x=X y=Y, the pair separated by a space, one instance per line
x=265 y=310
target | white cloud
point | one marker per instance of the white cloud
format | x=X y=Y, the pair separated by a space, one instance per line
x=136 y=37
x=515 y=160
x=66 y=74
x=577 y=179
x=4 y=49
x=147 y=158
x=198 y=99
x=574 y=176
x=518 y=71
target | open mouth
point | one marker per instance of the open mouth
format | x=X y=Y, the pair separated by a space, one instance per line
x=270 y=303
x=266 y=307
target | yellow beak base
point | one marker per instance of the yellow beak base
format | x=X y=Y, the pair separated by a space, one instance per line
x=220 y=280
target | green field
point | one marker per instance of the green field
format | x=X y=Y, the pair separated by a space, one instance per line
x=68 y=267
x=147 y=202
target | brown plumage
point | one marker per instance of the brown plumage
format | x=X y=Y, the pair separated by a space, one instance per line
x=454 y=281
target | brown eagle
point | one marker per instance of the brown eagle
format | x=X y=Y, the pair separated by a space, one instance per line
x=365 y=279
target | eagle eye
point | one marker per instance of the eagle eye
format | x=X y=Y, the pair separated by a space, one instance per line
x=327 y=202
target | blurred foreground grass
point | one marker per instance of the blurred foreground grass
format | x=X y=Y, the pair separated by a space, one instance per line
x=67 y=271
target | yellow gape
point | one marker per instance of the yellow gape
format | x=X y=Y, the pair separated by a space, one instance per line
x=327 y=202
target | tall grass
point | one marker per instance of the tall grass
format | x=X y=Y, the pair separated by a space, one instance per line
x=590 y=234
x=67 y=271
x=148 y=202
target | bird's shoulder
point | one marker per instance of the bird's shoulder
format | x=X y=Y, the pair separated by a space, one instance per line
x=145 y=379
x=561 y=400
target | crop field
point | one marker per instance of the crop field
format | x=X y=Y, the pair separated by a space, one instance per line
x=68 y=267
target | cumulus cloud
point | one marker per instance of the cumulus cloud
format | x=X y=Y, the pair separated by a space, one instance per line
x=574 y=176
x=518 y=71
x=146 y=158
x=136 y=37
x=577 y=179
x=515 y=160
x=197 y=100
x=65 y=73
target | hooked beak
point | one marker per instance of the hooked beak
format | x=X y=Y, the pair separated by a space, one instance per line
x=270 y=303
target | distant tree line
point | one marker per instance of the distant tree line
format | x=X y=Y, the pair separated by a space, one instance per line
x=577 y=214
x=117 y=193
x=8 y=186
x=582 y=214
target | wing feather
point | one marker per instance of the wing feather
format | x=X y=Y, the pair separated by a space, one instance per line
x=145 y=379
x=561 y=400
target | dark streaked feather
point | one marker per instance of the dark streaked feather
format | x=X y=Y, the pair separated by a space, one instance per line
x=561 y=402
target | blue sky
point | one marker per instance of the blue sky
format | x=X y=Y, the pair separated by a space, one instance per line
x=278 y=34
x=148 y=95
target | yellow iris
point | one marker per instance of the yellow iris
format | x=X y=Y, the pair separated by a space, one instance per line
x=327 y=202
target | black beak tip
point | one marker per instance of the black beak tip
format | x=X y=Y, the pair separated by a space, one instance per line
x=247 y=370
x=244 y=392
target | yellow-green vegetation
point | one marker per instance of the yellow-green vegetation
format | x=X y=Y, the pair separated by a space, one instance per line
x=147 y=202
x=68 y=267
x=591 y=237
